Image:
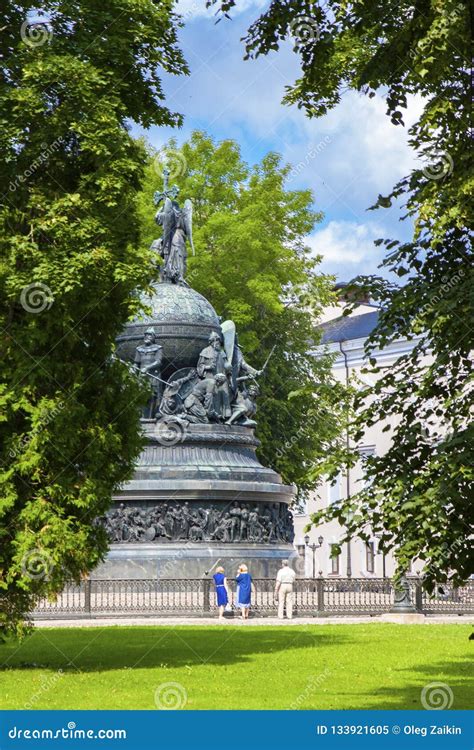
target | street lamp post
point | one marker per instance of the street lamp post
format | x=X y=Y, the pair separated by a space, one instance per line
x=313 y=547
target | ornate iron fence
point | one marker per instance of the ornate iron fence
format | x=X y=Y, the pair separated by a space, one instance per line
x=447 y=600
x=195 y=597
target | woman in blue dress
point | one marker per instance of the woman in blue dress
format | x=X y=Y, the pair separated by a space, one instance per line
x=222 y=598
x=244 y=590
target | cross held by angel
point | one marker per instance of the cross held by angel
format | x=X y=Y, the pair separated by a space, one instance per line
x=177 y=229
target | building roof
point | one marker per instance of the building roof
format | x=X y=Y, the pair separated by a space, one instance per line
x=349 y=327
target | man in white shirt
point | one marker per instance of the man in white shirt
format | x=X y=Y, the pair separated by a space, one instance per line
x=284 y=590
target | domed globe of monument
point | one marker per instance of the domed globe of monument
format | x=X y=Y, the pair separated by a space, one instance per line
x=199 y=493
x=182 y=320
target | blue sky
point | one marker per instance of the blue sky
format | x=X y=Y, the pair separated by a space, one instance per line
x=347 y=157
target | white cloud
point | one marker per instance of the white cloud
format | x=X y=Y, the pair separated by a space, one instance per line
x=347 y=157
x=364 y=153
x=241 y=99
x=348 y=248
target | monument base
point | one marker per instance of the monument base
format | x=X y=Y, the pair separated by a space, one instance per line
x=407 y=618
x=200 y=501
x=187 y=560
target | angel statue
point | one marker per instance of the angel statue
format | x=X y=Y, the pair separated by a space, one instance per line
x=177 y=228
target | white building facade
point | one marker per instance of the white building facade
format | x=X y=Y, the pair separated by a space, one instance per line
x=346 y=337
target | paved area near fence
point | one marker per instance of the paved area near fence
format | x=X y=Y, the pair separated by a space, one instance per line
x=254 y=621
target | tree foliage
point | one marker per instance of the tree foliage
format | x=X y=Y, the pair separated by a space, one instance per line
x=419 y=490
x=253 y=265
x=71 y=79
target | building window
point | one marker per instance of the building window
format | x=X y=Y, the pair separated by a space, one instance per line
x=365 y=453
x=334 y=491
x=334 y=563
x=370 y=557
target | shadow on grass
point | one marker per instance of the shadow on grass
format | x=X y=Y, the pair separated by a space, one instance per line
x=446 y=684
x=366 y=669
x=87 y=650
x=453 y=688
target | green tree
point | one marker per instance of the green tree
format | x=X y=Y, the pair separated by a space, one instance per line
x=253 y=265
x=71 y=81
x=419 y=490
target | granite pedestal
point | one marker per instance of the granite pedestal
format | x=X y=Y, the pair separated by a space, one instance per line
x=199 y=497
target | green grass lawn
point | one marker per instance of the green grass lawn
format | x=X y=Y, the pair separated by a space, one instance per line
x=229 y=667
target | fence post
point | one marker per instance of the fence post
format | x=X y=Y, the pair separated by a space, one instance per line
x=419 y=596
x=206 y=591
x=320 y=597
x=87 y=596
